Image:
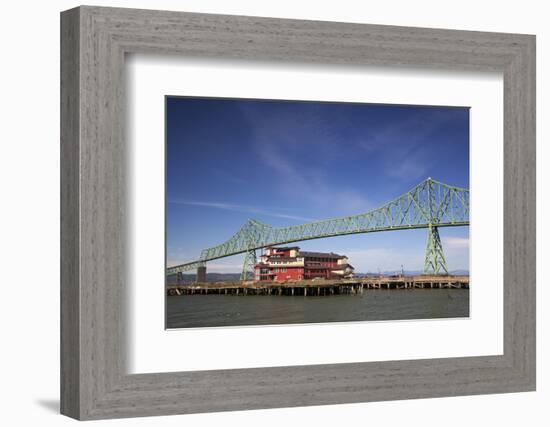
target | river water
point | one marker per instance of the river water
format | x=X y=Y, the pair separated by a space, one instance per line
x=188 y=311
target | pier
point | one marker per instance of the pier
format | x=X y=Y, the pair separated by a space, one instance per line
x=321 y=287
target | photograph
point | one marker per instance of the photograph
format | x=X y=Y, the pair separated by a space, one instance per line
x=295 y=212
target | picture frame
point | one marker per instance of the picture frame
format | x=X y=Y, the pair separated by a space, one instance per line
x=94 y=380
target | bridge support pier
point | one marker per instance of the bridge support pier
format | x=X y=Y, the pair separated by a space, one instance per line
x=201 y=274
x=435 y=259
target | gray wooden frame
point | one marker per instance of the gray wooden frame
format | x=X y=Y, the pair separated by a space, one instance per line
x=94 y=382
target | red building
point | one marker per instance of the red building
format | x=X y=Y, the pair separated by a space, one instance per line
x=289 y=263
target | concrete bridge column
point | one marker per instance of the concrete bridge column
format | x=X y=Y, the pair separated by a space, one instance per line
x=201 y=274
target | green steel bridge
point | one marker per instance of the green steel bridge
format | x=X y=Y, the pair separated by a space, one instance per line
x=430 y=204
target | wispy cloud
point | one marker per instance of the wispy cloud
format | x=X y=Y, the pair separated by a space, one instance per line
x=215 y=267
x=455 y=242
x=220 y=267
x=384 y=259
x=280 y=143
x=240 y=208
x=402 y=146
x=309 y=184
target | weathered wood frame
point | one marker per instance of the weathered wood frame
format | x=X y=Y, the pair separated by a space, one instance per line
x=94 y=41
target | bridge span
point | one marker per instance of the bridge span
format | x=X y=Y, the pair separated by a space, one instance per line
x=430 y=204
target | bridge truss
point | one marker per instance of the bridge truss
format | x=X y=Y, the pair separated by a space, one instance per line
x=430 y=204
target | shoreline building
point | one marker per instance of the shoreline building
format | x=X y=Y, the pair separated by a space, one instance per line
x=290 y=263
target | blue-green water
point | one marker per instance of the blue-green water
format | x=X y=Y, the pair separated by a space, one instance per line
x=396 y=304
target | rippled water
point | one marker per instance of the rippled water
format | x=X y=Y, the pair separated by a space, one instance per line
x=225 y=310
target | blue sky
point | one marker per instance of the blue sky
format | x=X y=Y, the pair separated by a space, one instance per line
x=286 y=163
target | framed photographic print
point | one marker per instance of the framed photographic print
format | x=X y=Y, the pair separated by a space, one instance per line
x=262 y=213
x=287 y=162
